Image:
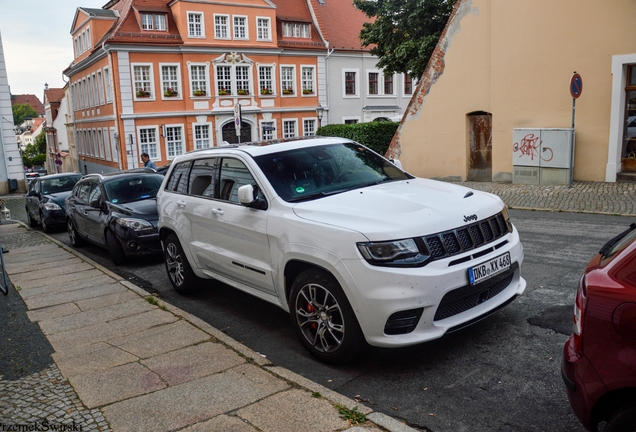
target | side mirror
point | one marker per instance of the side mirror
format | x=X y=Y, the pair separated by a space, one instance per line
x=32 y=193
x=96 y=204
x=397 y=163
x=246 y=198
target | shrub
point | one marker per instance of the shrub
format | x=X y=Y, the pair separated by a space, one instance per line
x=375 y=135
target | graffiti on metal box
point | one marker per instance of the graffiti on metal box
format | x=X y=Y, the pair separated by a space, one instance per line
x=530 y=146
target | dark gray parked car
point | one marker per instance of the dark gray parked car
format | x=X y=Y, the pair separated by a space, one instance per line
x=45 y=199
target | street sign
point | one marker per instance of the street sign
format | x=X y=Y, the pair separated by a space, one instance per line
x=576 y=85
x=237 y=119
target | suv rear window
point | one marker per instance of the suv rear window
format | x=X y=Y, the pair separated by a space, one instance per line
x=618 y=243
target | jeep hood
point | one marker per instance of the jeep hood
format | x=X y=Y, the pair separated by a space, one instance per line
x=401 y=209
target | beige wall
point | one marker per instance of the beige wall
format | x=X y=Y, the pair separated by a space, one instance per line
x=514 y=59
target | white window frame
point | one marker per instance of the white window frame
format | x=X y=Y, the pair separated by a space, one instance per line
x=381 y=83
x=100 y=86
x=200 y=26
x=272 y=80
x=219 y=27
x=157 y=149
x=245 y=27
x=196 y=140
x=310 y=119
x=384 y=93
x=100 y=143
x=312 y=81
x=94 y=144
x=151 y=73
x=153 y=21
x=95 y=90
x=233 y=78
x=207 y=79
x=284 y=132
x=274 y=132
x=293 y=81
x=113 y=143
x=107 y=144
x=358 y=119
x=108 y=87
x=413 y=85
x=88 y=38
x=166 y=142
x=344 y=84
x=162 y=82
x=259 y=29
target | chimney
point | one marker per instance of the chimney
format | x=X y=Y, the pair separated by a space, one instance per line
x=46 y=86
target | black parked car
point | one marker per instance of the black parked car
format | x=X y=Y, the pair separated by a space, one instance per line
x=117 y=211
x=45 y=199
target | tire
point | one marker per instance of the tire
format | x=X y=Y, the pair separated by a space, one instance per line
x=73 y=235
x=623 y=419
x=32 y=222
x=323 y=318
x=179 y=270
x=45 y=227
x=115 y=250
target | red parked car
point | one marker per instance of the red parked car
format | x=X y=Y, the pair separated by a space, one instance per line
x=599 y=359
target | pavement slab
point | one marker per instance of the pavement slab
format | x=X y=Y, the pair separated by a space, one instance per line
x=194 y=401
x=161 y=339
x=53 y=312
x=192 y=362
x=287 y=411
x=25 y=282
x=16 y=269
x=98 y=357
x=107 y=300
x=223 y=423
x=143 y=321
x=77 y=339
x=66 y=287
x=56 y=298
x=115 y=384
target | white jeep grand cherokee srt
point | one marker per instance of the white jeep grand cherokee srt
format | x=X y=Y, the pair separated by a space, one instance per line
x=354 y=248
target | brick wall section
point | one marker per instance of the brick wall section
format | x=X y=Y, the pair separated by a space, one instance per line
x=433 y=71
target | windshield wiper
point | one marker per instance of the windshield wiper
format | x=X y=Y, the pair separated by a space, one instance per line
x=610 y=244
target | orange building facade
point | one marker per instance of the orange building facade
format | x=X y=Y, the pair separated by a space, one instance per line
x=165 y=77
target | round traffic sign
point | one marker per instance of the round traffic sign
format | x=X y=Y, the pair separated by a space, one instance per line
x=576 y=85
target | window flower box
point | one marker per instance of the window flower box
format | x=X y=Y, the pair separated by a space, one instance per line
x=243 y=92
x=266 y=91
x=199 y=93
x=288 y=91
x=308 y=92
x=223 y=92
x=142 y=93
x=170 y=93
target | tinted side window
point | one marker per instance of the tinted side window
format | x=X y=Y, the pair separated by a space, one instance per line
x=178 y=181
x=234 y=174
x=204 y=177
x=82 y=192
x=95 y=193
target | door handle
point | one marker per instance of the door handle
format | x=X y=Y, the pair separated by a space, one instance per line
x=217 y=212
x=181 y=204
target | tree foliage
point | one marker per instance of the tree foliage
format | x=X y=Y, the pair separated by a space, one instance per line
x=40 y=142
x=375 y=135
x=35 y=152
x=21 y=112
x=405 y=32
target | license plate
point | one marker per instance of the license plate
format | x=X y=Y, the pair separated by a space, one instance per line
x=489 y=269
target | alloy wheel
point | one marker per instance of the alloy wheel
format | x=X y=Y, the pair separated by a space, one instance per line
x=320 y=318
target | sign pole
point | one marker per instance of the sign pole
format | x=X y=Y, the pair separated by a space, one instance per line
x=237 y=121
x=576 y=87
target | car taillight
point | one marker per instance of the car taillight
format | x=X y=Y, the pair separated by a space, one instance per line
x=579 y=314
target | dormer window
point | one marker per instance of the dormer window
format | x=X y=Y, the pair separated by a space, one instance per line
x=296 y=30
x=153 y=21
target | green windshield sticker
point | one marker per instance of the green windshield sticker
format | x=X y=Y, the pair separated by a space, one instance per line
x=300 y=189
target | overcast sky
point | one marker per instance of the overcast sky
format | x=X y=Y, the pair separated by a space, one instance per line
x=37 y=43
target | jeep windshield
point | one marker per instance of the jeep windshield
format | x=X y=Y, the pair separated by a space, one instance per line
x=314 y=172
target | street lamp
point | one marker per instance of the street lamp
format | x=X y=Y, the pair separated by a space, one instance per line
x=319 y=112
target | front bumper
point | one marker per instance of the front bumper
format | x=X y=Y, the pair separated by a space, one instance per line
x=54 y=217
x=380 y=293
x=139 y=243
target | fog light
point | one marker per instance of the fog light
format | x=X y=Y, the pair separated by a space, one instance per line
x=133 y=245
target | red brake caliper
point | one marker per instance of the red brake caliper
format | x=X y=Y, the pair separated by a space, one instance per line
x=310 y=308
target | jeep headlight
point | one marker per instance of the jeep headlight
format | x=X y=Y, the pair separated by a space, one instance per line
x=405 y=252
x=134 y=224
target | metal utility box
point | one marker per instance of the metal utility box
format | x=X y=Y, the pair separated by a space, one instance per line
x=541 y=156
x=13 y=185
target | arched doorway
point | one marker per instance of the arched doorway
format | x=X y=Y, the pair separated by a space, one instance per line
x=480 y=146
x=229 y=132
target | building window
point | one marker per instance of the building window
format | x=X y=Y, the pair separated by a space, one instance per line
x=220 y=27
x=388 y=84
x=109 y=96
x=170 y=80
x=100 y=87
x=195 y=24
x=307 y=79
x=174 y=141
x=148 y=142
x=142 y=81
x=107 y=145
x=90 y=91
x=198 y=80
x=267 y=130
x=95 y=90
x=153 y=21
x=289 y=128
x=408 y=84
x=287 y=81
x=243 y=80
x=224 y=80
x=100 y=144
x=296 y=30
x=240 y=27
x=201 y=137
x=265 y=80
x=309 y=127
x=351 y=121
x=350 y=83
x=262 y=29
x=88 y=38
x=373 y=83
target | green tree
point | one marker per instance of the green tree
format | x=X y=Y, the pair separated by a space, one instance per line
x=404 y=33
x=22 y=111
x=40 y=142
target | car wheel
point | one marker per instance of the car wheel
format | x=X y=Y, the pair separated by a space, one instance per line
x=323 y=318
x=179 y=270
x=115 y=250
x=623 y=419
x=73 y=235
x=45 y=227
x=32 y=222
